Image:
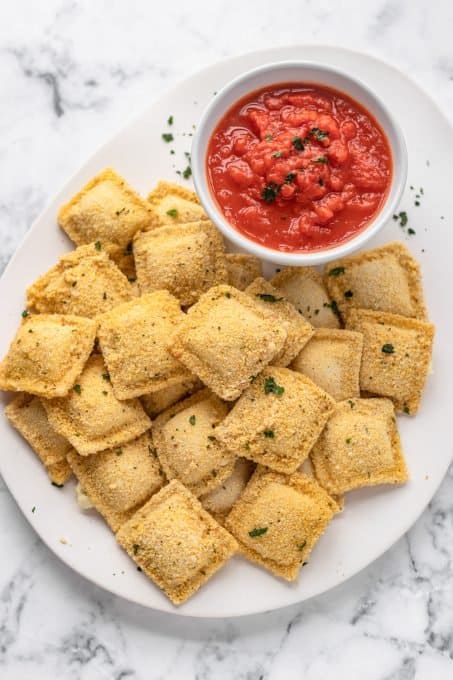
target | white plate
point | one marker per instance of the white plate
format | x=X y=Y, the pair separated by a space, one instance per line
x=373 y=518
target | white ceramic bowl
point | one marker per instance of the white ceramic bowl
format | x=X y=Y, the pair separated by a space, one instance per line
x=293 y=72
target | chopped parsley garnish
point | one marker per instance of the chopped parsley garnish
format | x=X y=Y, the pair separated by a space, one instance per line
x=77 y=388
x=269 y=193
x=290 y=177
x=388 y=348
x=411 y=231
x=119 y=452
x=402 y=217
x=267 y=297
x=348 y=293
x=120 y=212
x=321 y=159
x=268 y=138
x=106 y=376
x=277 y=154
x=257 y=532
x=167 y=137
x=187 y=172
x=192 y=420
x=135 y=548
x=301 y=546
x=59 y=486
x=25 y=313
x=319 y=134
x=348 y=440
x=406 y=409
x=298 y=143
x=170 y=120
x=270 y=434
x=271 y=386
x=336 y=271
x=228 y=294
x=333 y=306
x=211 y=437
x=172 y=212
x=351 y=403
x=97 y=245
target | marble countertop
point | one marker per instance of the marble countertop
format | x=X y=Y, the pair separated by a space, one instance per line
x=72 y=71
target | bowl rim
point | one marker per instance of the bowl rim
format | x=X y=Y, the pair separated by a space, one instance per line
x=198 y=153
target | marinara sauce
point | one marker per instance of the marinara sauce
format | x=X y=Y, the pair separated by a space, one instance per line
x=299 y=168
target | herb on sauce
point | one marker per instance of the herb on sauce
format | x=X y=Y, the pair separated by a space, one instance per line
x=298 y=143
x=321 y=159
x=277 y=154
x=290 y=177
x=271 y=386
x=336 y=271
x=268 y=138
x=269 y=193
x=388 y=348
x=267 y=297
x=319 y=134
x=167 y=137
x=257 y=532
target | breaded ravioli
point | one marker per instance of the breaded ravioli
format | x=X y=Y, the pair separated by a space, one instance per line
x=242 y=269
x=279 y=518
x=158 y=401
x=173 y=204
x=106 y=210
x=226 y=340
x=176 y=542
x=220 y=501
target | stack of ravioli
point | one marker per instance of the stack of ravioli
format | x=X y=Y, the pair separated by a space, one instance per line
x=203 y=409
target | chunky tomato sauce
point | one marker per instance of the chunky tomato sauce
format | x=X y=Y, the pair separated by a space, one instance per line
x=299 y=168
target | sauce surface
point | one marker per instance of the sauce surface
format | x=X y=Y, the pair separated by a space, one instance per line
x=299 y=168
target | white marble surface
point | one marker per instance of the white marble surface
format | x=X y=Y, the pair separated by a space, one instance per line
x=71 y=72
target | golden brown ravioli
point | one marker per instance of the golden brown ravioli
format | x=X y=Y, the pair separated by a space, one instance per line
x=396 y=355
x=284 y=314
x=134 y=340
x=279 y=518
x=185 y=259
x=118 y=481
x=386 y=279
x=226 y=340
x=277 y=419
x=156 y=402
x=173 y=204
x=219 y=501
x=185 y=440
x=332 y=360
x=304 y=288
x=47 y=354
x=359 y=447
x=106 y=209
x=176 y=542
x=84 y=282
x=91 y=417
x=26 y=413
x=242 y=269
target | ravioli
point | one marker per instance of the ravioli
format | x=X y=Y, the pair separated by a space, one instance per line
x=220 y=501
x=284 y=314
x=158 y=401
x=91 y=417
x=396 y=356
x=278 y=519
x=105 y=209
x=47 y=354
x=134 y=341
x=118 y=481
x=185 y=440
x=26 y=413
x=226 y=340
x=184 y=259
x=176 y=542
x=123 y=257
x=359 y=447
x=304 y=288
x=332 y=360
x=242 y=269
x=173 y=204
x=277 y=419
x=84 y=282
x=386 y=279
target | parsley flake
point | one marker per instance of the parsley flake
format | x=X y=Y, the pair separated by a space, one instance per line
x=301 y=546
x=167 y=137
x=25 y=313
x=192 y=420
x=333 y=306
x=271 y=386
x=269 y=193
x=320 y=159
x=77 y=389
x=268 y=138
x=388 y=348
x=298 y=143
x=336 y=271
x=267 y=297
x=106 y=376
x=277 y=154
x=187 y=172
x=290 y=177
x=348 y=293
x=257 y=532
x=270 y=434
x=319 y=134
x=170 y=120
x=172 y=212
x=97 y=245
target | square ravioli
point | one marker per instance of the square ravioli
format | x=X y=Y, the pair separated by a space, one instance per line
x=176 y=542
x=219 y=501
x=242 y=269
x=226 y=340
x=173 y=204
x=185 y=440
x=396 y=356
x=26 y=413
x=185 y=259
x=118 y=481
x=158 y=401
x=298 y=330
x=279 y=518
x=134 y=341
x=105 y=209
x=277 y=419
x=332 y=360
x=359 y=447
x=386 y=279
x=47 y=354
x=304 y=288
x=91 y=417
x=84 y=282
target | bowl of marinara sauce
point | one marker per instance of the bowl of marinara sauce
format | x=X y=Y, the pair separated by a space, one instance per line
x=298 y=163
